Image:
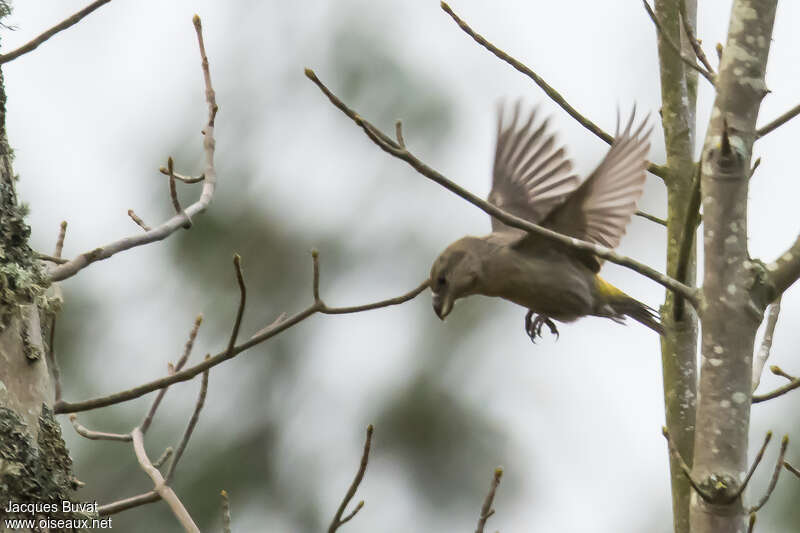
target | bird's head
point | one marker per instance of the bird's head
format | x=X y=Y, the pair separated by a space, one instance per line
x=455 y=274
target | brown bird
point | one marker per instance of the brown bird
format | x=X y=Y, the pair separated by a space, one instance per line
x=533 y=179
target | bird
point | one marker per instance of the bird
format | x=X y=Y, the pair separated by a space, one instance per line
x=532 y=179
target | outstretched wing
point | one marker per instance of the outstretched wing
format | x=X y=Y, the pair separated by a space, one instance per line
x=531 y=175
x=600 y=209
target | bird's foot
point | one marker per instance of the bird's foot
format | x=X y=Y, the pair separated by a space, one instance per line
x=533 y=326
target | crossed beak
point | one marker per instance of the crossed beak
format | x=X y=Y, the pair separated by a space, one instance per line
x=442 y=305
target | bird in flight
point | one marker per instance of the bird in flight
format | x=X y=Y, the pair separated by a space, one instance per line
x=532 y=179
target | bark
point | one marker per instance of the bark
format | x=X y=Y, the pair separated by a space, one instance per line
x=679 y=344
x=35 y=466
x=734 y=291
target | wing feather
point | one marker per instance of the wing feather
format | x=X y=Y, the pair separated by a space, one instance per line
x=531 y=176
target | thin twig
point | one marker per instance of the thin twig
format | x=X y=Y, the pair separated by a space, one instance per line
x=398 y=133
x=237 y=263
x=780 y=121
x=775 y=474
x=351 y=491
x=139 y=222
x=128 y=503
x=61 y=26
x=693 y=40
x=187 y=350
x=166 y=454
x=52 y=359
x=315 y=280
x=160 y=485
x=51 y=258
x=791 y=469
x=778 y=371
x=181 y=177
x=690 y=63
x=391 y=147
x=756 y=164
x=226 y=512
x=178 y=221
x=687 y=240
x=63 y=407
x=549 y=91
x=751 y=471
x=751 y=523
x=780 y=391
x=683 y=466
x=651 y=218
x=766 y=342
x=486 y=509
x=97 y=435
x=201 y=400
x=62 y=233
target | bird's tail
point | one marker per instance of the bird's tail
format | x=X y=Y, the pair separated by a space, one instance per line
x=623 y=305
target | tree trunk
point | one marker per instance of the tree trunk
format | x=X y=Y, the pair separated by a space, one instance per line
x=734 y=295
x=679 y=344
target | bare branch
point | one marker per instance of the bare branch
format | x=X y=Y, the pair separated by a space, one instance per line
x=486 y=509
x=751 y=471
x=693 y=40
x=778 y=371
x=751 y=523
x=51 y=258
x=683 y=466
x=226 y=512
x=391 y=147
x=651 y=218
x=549 y=91
x=159 y=484
x=128 y=503
x=780 y=391
x=775 y=474
x=315 y=282
x=139 y=222
x=351 y=491
x=237 y=263
x=785 y=270
x=166 y=454
x=791 y=469
x=675 y=48
x=687 y=239
x=398 y=133
x=148 y=419
x=201 y=400
x=778 y=122
x=756 y=164
x=62 y=232
x=766 y=342
x=61 y=26
x=173 y=191
x=181 y=177
x=176 y=222
x=97 y=435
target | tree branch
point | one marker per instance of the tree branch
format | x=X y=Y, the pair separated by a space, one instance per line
x=785 y=270
x=775 y=474
x=62 y=407
x=683 y=466
x=179 y=220
x=486 y=509
x=707 y=75
x=187 y=434
x=693 y=40
x=766 y=342
x=391 y=147
x=61 y=26
x=651 y=218
x=160 y=486
x=351 y=491
x=780 y=121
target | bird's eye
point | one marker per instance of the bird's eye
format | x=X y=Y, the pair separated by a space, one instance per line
x=441 y=281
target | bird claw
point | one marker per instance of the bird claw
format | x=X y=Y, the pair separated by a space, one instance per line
x=533 y=326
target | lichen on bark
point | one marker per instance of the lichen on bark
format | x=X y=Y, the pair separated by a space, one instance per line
x=38 y=473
